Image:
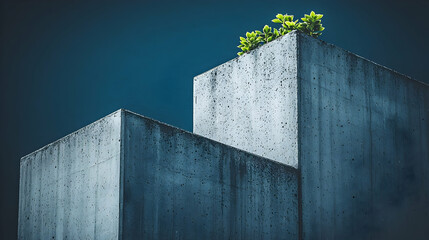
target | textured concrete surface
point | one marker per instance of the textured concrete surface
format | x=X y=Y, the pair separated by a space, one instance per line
x=359 y=133
x=250 y=102
x=70 y=188
x=364 y=147
x=182 y=186
x=130 y=177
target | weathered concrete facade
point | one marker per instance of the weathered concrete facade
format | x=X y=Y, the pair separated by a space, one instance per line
x=364 y=140
x=130 y=177
x=251 y=102
x=70 y=188
x=360 y=133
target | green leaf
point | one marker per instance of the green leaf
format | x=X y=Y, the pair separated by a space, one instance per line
x=266 y=29
x=288 y=17
x=276 y=21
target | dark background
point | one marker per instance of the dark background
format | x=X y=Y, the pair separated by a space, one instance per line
x=65 y=64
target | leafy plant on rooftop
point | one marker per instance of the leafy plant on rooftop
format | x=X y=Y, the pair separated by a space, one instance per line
x=311 y=25
x=288 y=25
x=252 y=41
x=268 y=34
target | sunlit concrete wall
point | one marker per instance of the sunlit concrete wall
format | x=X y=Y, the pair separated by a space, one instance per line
x=251 y=102
x=70 y=188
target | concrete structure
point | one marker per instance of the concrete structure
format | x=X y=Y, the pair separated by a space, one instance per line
x=357 y=132
x=335 y=147
x=130 y=177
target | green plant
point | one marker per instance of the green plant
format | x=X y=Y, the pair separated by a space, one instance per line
x=252 y=41
x=287 y=23
x=268 y=34
x=311 y=25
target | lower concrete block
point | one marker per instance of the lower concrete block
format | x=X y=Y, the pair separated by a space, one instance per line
x=130 y=177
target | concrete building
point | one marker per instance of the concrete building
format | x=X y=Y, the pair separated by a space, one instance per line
x=357 y=132
x=298 y=139
x=130 y=177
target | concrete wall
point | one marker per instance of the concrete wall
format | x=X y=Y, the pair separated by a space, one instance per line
x=364 y=147
x=70 y=188
x=250 y=102
x=130 y=177
x=360 y=132
x=178 y=185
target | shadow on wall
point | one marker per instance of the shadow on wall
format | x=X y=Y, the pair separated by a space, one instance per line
x=401 y=206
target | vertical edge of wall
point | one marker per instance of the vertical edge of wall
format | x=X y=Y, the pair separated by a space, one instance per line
x=298 y=137
x=70 y=188
x=179 y=185
x=122 y=175
x=250 y=102
x=364 y=146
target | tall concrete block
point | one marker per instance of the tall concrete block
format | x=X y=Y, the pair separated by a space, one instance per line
x=130 y=177
x=357 y=132
x=251 y=102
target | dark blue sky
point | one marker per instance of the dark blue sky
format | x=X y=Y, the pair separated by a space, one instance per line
x=65 y=64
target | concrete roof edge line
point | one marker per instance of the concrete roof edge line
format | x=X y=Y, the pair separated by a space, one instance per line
x=326 y=43
x=365 y=59
x=122 y=111
x=236 y=58
x=70 y=134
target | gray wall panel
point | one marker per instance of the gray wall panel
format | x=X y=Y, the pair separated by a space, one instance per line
x=183 y=186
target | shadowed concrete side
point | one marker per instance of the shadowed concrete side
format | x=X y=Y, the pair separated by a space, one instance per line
x=70 y=188
x=178 y=185
x=364 y=147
